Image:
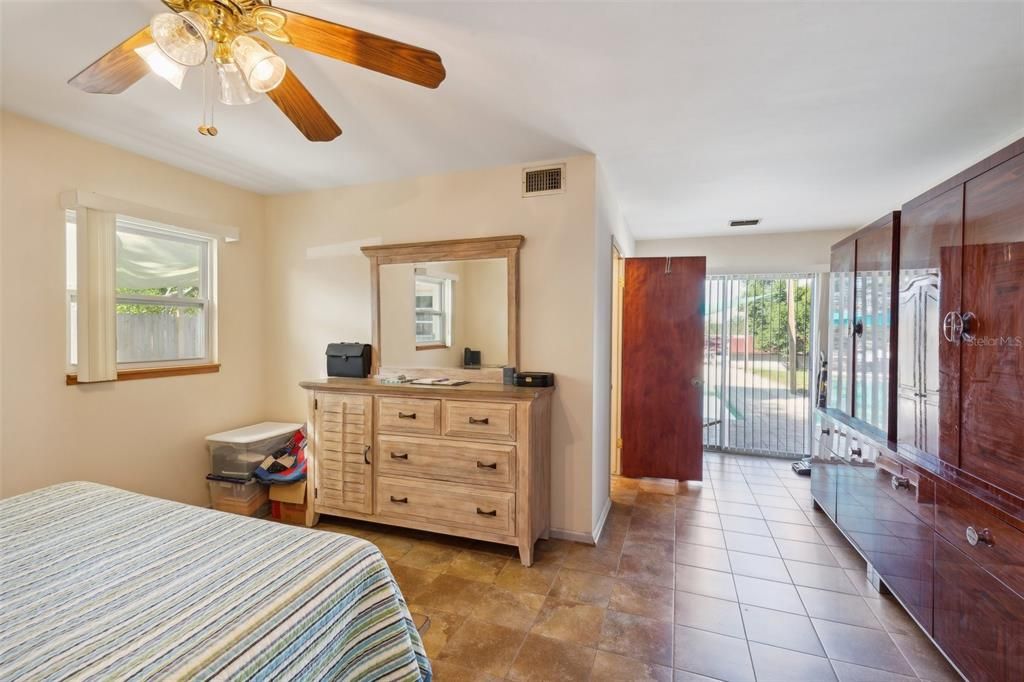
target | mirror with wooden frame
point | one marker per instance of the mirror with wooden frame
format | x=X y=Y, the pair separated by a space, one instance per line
x=445 y=309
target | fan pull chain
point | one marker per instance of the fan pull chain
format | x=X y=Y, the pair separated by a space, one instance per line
x=205 y=129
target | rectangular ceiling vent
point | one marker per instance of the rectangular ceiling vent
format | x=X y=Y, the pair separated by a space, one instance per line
x=545 y=180
x=745 y=222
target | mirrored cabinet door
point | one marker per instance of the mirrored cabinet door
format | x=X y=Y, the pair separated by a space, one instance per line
x=929 y=302
x=840 y=328
x=872 y=327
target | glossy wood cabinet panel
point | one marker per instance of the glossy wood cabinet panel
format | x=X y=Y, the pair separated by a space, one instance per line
x=992 y=348
x=928 y=410
x=840 y=327
x=998 y=548
x=979 y=623
x=872 y=326
x=890 y=518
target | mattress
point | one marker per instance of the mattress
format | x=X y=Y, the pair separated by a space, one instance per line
x=99 y=583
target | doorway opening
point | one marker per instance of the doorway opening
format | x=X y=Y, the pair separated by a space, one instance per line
x=760 y=341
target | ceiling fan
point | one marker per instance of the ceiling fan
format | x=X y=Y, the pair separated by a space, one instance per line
x=222 y=32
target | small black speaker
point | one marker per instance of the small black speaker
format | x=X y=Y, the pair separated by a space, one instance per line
x=535 y=379
x=508 y=376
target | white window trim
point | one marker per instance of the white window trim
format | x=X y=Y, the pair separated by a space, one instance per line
x=208 y=285
x=445 y=312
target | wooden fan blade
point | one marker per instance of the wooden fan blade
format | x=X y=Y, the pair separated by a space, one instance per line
x=390 y=57
x=118 y=69
x=296 y=102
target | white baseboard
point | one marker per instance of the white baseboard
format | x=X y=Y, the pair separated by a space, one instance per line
x=590 y=538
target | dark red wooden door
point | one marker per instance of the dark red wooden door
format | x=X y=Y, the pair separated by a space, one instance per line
x=662 y=368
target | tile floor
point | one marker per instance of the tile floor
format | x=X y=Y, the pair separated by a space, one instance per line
x=735 y=579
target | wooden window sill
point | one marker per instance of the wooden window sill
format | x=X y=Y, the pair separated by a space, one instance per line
x=154 y=372
x=432 y=346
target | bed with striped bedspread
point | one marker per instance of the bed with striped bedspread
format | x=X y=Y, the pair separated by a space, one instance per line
x=99 y=583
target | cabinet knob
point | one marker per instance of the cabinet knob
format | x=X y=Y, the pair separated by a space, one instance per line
x=969 y=327
x=825 y=431
x=855 y=452
x=400 y=500
x=406 y=415
x=858 y=328
x=481 y=465
x=481 y=512
x=485 y=420
x=399 y=455
x=899 y=482
x=984 y=536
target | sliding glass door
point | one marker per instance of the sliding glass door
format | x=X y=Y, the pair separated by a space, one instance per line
x=758 y=363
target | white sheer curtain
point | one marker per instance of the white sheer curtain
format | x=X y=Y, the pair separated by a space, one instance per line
x=97 y=318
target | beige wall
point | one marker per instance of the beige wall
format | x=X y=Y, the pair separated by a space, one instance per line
x=313 y=302
x=141 y=435
x=752 y=254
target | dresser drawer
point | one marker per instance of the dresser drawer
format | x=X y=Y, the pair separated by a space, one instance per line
x=480 y=420
x=446 y=504
x=409 y=415
x=486 y=464
x=999 y=547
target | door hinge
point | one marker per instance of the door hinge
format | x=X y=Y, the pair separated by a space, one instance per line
x=622 y=282
x=618 y=443
x=316 y=404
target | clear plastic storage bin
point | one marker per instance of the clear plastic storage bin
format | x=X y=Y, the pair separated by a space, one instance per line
x=237 y=453
x=247 y=499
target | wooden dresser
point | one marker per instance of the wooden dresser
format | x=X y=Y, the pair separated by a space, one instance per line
x=471 y=460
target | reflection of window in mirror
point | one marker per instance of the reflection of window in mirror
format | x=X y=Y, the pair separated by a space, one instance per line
x=433 y=311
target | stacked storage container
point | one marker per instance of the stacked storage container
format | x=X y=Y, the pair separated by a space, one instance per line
x=234 y=457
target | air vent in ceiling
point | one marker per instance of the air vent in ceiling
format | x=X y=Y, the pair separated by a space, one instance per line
x=544 y=180
x=746 y=222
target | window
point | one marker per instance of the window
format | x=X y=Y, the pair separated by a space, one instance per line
x=163 y=295
x=433 y=312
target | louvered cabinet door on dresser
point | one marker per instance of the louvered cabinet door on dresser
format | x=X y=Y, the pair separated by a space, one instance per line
x=343 y=433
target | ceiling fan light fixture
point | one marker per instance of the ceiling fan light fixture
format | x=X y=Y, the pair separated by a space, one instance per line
x=162 y=65
x=233 y=88
x=262 y=69
x=182 y=37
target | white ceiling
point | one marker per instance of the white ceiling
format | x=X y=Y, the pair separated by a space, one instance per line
x=808 y=115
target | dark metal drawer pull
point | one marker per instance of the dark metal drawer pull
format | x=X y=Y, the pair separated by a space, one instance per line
x=900 y=482
x=366 y=455
x=481 y=465
x=399 y=455
x=474 y=420
x=481 y=512
x=984 y=536
x=406 y=415
x=826 y=431
x=400 y=500
x=855 y=452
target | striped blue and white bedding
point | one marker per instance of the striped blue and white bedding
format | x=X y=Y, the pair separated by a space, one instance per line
x=99 y=583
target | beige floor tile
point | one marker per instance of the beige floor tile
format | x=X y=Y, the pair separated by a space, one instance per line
x=542 y=659
x=518 y=578
x=450 y=672
x=430 y=556
x=639 y=599
x=476 y=566
x=569 y=622
x=483 y=646
x=609 y=667
x=503 y=607
x=642 y=638
x=583 y=587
